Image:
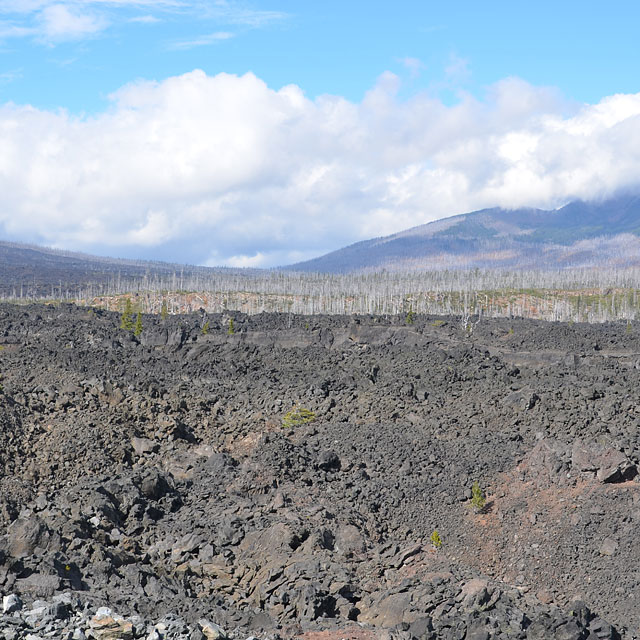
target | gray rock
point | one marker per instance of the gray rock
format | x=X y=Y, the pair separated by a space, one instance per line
x=349 y=540
x=211 y=630
x=58 y=611
x=607 y=464
x=477 y=634
x=11 y=603
x=24 y=535
x=608 y=547
x=106 y=625
x=38 y=584
x=144 y=446
x=329 y=461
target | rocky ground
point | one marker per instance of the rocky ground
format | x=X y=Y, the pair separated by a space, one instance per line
x=148 y=487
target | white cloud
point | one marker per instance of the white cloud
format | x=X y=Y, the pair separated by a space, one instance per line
x=30 y=6
x=61 y=22
x=230 y=12
x=202 y=41
x=145 y=19
x=49 y=21
x=9 y=29
x=10 y=76
x=224 y=169
x=53 y=21
x=414 y=66
x=457 y=69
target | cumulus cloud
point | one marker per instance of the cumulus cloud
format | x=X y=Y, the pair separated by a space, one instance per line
x=225 y=170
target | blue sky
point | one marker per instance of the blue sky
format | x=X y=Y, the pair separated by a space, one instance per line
x=262 y=132
x=585 y=49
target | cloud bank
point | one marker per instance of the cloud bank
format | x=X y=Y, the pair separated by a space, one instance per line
x=225 y=170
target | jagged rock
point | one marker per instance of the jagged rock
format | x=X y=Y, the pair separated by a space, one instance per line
x=387 y=610
x=105 y=625
x=212 y=631
x=38 y=584
x=158 y=338
x=477 y=634
x=144 y=446
x=547 y=463
x=11 y=603
x=214 y=511
x=349 y=540
x=24 y=535
x=607 y=464
x=329 y=461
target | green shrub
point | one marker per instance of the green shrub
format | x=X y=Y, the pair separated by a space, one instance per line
x=296 y=417
x=205 y=328
x=411 y=317
x=478 y=501
x=138 y=328
x=231 y=329
x=436 y=540
x=126 y=322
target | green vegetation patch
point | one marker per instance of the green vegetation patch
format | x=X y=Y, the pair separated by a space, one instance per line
x=297 y=417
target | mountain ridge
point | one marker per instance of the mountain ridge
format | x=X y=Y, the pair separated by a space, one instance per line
x=579 y=234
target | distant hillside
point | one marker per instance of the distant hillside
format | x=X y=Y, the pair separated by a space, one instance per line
x=580 y=234
x=605 y=234
x=37 y=271
x=30 y=273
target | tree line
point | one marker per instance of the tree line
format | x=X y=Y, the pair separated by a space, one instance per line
x=580 y=295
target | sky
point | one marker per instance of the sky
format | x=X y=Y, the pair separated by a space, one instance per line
x=262 y=133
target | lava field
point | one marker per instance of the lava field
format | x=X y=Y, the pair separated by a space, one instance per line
x=155 y=486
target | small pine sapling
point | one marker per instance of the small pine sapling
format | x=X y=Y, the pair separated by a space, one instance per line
x=126 y=322
x=164 y=310
x=231 y=330
x=436 y=540
x=205 y=328
x=478 y=501
x=138 y=328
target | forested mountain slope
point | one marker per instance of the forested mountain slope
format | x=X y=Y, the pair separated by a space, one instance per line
x=580 y=234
